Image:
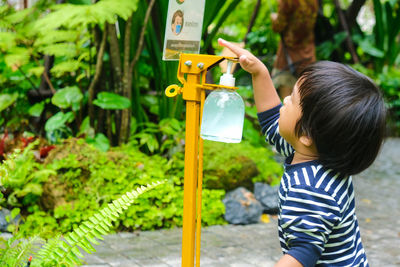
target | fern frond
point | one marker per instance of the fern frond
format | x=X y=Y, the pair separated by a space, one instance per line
x=47 y=250
x=67 y=252
x=7 y=40
x=18 y=251
x=17 y=56
x=55 y=36
x=66 y=66
x=59 y=49
x=70 y=16
x=18 y=17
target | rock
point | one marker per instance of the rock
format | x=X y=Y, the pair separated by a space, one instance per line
x=3 y=221
x=235 y=172
x=267 y=196
x=241 y=207
x=228 y=167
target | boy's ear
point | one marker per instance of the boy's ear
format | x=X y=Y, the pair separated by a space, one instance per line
x=306 y=140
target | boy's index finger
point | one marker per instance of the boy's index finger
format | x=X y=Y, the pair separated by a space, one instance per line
x=235 y=49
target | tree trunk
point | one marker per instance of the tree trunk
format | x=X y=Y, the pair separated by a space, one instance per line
x=116 y=70
x=352 y=12
x=127 y=85
x=128 y=71
x=115 y=57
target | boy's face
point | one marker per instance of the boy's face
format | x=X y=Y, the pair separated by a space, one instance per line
x=290 y=113
x=175 y=28
x=178 y=20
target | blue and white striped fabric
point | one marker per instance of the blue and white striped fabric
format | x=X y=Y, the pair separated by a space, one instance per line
x=317 y=222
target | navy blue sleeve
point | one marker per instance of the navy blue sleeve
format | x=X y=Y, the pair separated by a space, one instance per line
x=305 y=253
x=270 y=128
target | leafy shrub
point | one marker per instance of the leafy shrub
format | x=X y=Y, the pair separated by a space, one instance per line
x=77 y=179
x=22 y=178
x=83 y=179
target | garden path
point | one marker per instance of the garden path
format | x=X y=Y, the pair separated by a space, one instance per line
x=378 y=212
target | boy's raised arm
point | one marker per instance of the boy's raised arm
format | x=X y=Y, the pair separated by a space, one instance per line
x=265 y=94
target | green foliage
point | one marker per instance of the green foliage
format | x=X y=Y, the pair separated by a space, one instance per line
x=7 y=100
x=107 y=100
x=165 y=137
x=65 y=33
x=100 y=141
x=67 y=97
x=75 y=16
x=23 y=177
x=15 y=252
x=56 y=127
x=383 y=45
x=325 y=50
x=77 y=179
x=84 y=179
x=65 y=251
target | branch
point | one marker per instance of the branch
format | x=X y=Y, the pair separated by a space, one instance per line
x=253 y=19
x=348 y=35
x=46 y=77
x=141 y=39
x=352 y=11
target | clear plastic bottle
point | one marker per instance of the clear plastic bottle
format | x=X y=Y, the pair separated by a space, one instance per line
x=223 y=113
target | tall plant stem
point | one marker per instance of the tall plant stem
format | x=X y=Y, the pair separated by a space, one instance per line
x=141 y=38
x=345 y=26
x=93 y=84
x=126 y=113
x=253 y=19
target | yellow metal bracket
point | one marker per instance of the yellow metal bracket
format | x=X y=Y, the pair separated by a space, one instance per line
x=192 y=71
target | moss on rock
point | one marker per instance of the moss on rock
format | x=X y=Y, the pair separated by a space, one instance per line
x=228 y=166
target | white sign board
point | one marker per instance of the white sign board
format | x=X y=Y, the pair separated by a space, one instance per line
x=183 y=28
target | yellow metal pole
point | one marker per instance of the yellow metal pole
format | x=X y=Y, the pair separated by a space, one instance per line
x=199 y=187
x=192 y=72
x=191 y=171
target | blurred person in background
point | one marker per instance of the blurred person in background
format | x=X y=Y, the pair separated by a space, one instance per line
x=294 y=21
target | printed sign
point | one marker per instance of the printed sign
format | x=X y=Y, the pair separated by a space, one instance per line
x=183 y=28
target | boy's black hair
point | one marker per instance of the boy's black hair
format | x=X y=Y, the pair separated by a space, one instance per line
x=344 y=114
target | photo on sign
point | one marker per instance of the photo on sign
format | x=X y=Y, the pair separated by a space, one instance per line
x=177 y=22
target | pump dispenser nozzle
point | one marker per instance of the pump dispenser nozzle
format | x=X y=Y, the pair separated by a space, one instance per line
x=227 y=79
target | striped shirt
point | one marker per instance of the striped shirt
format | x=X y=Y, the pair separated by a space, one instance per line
x=317 y=222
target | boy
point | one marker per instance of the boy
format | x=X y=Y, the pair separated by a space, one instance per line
x=330 y=127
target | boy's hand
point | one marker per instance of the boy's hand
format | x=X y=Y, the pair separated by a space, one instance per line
x=247 y=60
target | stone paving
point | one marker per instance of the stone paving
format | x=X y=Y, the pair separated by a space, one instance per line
x=378 y=212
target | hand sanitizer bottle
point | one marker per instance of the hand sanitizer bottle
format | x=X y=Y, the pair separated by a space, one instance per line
x=223 y=113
